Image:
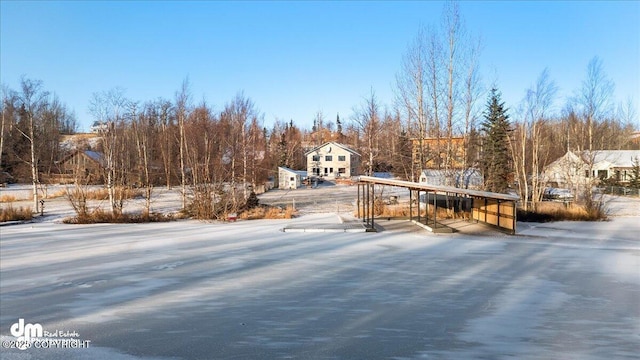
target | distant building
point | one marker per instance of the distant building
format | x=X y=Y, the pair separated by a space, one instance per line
x=332 y=160
x=635 y=138
x=87 y=166
x=464 y=179
x=431 y=153
x=577 y=169
x=98 y=126
x=290 y=179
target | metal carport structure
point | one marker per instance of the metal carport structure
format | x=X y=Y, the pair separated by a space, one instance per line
x=495 y=209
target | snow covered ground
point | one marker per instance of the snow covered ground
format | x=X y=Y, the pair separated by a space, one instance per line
x=247 y=290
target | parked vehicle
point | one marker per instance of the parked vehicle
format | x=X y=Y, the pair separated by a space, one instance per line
x=555 y=194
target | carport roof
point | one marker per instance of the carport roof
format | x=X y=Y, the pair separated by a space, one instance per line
x=435 y=188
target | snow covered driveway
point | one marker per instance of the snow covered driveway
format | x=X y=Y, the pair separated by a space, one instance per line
x=246 y=290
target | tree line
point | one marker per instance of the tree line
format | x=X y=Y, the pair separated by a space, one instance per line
x=216 y=156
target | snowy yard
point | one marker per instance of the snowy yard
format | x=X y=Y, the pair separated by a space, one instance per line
x=247 y=290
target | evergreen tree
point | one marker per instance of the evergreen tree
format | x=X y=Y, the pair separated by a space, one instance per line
x=401 y=158
x=339 y=134
x=282 y=150
x=252 y=201
x=496 y=160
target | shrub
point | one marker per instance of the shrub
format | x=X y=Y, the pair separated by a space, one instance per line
x=201 y=205
x=268 y=212
x=252 y=201
x=99 y=216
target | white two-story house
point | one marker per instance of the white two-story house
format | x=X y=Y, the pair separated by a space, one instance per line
x=332 y=160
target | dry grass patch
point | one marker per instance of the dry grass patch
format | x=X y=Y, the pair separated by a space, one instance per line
x=553 y=211
x=402 y=211
x=272 y=212
x=7 y=199
x=99 y=216
x=57 y=194
x=10 y=213
x=120 y=193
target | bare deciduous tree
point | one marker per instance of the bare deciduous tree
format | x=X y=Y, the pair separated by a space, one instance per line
x=33 y=100
x=183 y=98
x=437 y=89
x=109 y=108
x=532 y=151
x=411 y=92
x=367 y=119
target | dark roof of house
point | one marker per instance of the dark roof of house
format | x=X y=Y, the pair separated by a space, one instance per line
x=93 y=155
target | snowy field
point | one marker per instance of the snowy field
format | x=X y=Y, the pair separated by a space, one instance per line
x=247 y=290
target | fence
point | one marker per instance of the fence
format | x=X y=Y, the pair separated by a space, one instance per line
x=620 y=190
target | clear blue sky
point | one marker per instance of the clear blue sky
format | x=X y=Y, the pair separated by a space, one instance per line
x=296 y=58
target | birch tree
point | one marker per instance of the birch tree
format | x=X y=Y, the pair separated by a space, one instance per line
x=453 y=27
x=33 y=100
x=437 y=89
x=109 y=107
x=8 y=107
x=411 y=93
x=595 y=102
x=595 y=97
x=533 y=151
x=183 y=98
x=367 y=118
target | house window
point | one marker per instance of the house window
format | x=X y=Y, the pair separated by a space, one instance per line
x=330 y=170
x=316 y=157
x=602 y=174
x=342 y=158
x=328 y=158
x=586 y=173
x=316 y=171
x=342 y=170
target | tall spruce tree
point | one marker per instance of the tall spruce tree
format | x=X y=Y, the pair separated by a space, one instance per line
x=496 y=160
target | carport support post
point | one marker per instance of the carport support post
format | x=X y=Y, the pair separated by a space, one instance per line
x=410 y=204
x=358 y=201
x=418 y=202
x=515 y=217
x=498 y=213
x=366 y=208
x=485 y=210
x=435 y=208
x=365 y=201
x=373 y=205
